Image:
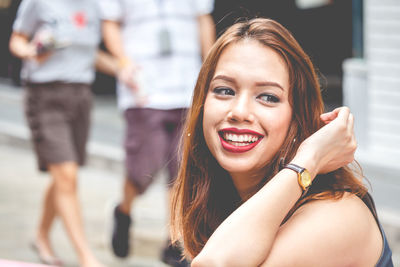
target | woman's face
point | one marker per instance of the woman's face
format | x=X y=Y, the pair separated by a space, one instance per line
x=246 y=111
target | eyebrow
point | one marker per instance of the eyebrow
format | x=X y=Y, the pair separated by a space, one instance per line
x=231 y=80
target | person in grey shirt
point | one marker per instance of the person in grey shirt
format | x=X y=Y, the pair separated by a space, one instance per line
x=58 y=42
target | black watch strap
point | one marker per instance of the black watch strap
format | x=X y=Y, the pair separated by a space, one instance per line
x=295 y=167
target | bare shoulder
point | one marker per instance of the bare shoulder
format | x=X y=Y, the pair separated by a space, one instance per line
x=330 y=233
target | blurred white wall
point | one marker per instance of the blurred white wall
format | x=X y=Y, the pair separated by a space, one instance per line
x=372 y=85
x=304 y=4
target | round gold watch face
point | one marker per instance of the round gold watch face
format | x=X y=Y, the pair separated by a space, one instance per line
x=306 y=178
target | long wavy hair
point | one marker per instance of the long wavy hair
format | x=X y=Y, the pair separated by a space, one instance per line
x=204 y=194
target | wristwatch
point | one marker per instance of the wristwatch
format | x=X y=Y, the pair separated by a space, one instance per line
x=303 y=176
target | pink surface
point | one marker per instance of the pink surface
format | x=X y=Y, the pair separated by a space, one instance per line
x=9 y=263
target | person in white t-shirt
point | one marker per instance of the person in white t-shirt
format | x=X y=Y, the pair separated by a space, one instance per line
x=159 y=45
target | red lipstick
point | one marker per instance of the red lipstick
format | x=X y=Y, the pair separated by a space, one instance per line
x=238 y=149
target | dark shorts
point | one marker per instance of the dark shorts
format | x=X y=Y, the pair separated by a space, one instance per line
x=151 y=143
x=58 y=115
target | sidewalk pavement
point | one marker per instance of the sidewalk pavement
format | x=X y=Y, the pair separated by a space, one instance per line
x=100 y=186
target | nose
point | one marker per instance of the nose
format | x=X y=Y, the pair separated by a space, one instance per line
x=241 y=110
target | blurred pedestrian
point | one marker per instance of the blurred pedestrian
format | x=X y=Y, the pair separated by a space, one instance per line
x=57 y=41
x=159 y=45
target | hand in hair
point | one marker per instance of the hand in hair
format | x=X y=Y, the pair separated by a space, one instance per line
x=333 y=146
x=330 y=116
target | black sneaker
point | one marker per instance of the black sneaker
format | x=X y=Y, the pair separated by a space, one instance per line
x=172 y=255
x=120 y=235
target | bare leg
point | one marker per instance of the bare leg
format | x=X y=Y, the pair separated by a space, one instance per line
x=67 y=207
x=129 y=194
x=42 y=241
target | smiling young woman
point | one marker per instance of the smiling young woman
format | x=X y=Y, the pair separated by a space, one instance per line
x=255 y=139
x=247 y=100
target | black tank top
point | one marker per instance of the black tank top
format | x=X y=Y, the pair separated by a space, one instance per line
x=385 y=259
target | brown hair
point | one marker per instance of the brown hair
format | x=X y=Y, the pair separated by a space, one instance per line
x=204 y=194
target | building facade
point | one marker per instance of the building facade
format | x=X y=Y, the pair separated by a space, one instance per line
x=372 y=85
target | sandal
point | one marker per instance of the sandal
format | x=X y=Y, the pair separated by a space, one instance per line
x=44 y=257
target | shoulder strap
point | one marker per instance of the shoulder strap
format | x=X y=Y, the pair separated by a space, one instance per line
x=367 y=199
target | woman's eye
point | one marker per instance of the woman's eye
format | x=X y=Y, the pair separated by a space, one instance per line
x=223 y=91
x=269 y=98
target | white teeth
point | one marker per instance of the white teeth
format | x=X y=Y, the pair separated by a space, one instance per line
x=240 y=139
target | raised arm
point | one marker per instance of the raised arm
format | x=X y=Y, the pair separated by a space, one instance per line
x=113 y=41
x=247 y=236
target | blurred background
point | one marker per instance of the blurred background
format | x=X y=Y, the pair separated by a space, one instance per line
x=355 y=45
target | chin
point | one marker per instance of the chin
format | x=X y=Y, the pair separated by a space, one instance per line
x=236 y=167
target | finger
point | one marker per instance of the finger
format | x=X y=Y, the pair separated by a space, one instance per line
x=337 y=110
x=331 y=115
x=350 y=122
x=133 y=86
x=343 y=114
x=326 y=121
x=328 y=117
x=351 y=130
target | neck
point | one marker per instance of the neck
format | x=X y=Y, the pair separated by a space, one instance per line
x=246 y=185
